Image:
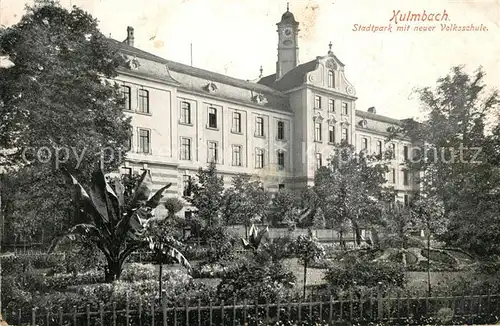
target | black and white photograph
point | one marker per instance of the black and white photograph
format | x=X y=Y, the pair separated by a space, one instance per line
x=249 y=162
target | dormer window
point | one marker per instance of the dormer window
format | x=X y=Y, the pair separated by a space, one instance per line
x=259 y=99
x=363 y=123
x=211 y=87
x=331 y=79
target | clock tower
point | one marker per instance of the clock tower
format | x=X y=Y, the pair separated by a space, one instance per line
x=288 y=48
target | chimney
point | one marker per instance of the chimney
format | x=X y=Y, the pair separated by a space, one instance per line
x=372 y=110
x=130 y=36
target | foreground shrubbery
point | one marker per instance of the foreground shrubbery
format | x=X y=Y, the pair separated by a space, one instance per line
x=364 y=272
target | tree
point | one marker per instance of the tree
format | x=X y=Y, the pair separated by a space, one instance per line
x=284 y=204
x=208 y=197
x=428 y=212
x=308 y=250
x=351 y=189
x=245 y=202
x=117 y=221
x=56 y=107
x=457 y=160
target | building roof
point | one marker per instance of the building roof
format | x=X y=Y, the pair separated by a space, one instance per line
x=378 y=117
x=292 y=79
x=196 y=72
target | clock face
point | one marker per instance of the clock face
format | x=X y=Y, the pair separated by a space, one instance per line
x=287 y=32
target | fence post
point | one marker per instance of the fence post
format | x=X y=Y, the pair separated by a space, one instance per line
x=244 y=311
x=199 y=312
x=87 y=311
x=153 y=302
x=140 y=312
x=60 y=316
x=211 y=312
x=380 y=305
x=164 y=310
x=234 y=311
x=114 y=313
x=267 y=310
x=300 y=310
x=351 y=303
x=289 y=309
x=74 y=316
x=330 y=312
x=33 y=316
x=278 y=309
x=187 y=312
x=488 y=302
x=101 y=313
x=47 y=317
x=222 y=312
x=341 y=306
x=127 y=308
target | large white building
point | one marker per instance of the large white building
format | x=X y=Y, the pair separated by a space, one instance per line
x=281 y=127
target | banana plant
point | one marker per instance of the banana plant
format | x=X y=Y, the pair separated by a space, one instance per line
x=255 y=238
x=116 y=222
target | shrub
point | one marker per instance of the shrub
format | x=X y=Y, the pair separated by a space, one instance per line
x=366 y=273
x=138 y=272
x=254 y=279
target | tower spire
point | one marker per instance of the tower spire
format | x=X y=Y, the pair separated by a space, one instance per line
x=330 y=48
x=261 y=71
x=288 y=6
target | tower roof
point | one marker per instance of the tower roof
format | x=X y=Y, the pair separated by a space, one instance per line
x=288 y=17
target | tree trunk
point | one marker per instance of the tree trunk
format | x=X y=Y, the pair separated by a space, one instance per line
x=246 y=232
x=160 y=273
x=113 y=271
x=429 y=264
x=305 y=279
x=357 y=233
x=341 y=240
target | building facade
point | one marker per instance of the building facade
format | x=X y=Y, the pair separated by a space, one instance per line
x=280 y=128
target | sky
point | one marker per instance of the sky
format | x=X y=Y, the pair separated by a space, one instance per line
x=236 y=37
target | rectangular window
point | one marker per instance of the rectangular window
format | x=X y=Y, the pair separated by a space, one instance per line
x=186 y=180
x=405 y=152
x=236 y=155
x=259 y=126
x=393 y=151
x=185 y=149
x=331 y=105
x=364 y=144
x=406 y=178
x=379 y=148
x=212 y=117
x=281 y=159
x=281 y=130
x=319 y=160
x=186 y=113
x=212 y=151
x=317 y=102
x=143 y=101
x=126 y=95
x=345 y=108
x=393 y=172
x=236 y=122
x=331 y=134
x=331 y=79
x=130 y=142
x=281 y=186
x=144 y=141
x=317 y=131
x=259 y=158
x=344 y=135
